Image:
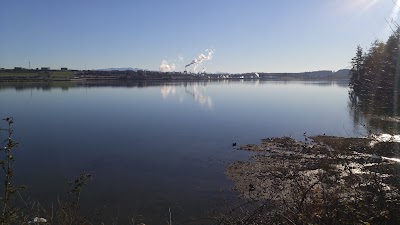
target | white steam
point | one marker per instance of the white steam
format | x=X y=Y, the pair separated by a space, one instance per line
x=165 y=67
x=196 y=62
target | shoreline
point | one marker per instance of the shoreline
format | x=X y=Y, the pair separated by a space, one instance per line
x=323 y=180
x=83 y=79
x=47 y=75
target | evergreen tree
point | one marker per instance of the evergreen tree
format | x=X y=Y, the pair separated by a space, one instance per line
x=374 y=77
x=357 y=70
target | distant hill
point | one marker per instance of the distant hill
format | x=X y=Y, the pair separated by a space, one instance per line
x=344 y=73
x=340 y=74
x=120 y=69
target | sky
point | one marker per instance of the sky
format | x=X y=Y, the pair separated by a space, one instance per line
x=244 y=36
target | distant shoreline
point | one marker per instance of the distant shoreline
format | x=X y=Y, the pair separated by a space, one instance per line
x=179 y=79
x=25 y=75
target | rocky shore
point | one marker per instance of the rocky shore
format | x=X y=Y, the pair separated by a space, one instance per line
x=321 y=180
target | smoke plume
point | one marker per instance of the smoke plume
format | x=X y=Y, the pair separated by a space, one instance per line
x=200 y=59
x=165 y=67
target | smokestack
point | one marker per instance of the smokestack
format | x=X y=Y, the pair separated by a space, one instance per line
x=200 y=59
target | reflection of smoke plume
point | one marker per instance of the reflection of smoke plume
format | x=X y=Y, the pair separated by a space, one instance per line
x=200 y=59
x=165 y=67
x=204 y=101
x=195 y=91
x=167 y=90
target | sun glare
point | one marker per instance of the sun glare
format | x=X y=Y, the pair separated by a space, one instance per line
x=394 y=15
x=361 y=4
x=371 y=3
x=395 y=11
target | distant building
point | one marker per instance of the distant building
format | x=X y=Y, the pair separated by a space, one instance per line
x=45 y=68
x=18 y=68
x=64 y=68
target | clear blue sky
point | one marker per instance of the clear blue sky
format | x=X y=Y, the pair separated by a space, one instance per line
x=247 y=36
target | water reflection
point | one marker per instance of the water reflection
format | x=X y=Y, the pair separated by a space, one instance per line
x=167 y=90
x=121 y=132
x=198 y=94
x=197 y=91
x=377 y=116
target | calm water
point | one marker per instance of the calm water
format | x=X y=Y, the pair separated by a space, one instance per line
x=155 y=145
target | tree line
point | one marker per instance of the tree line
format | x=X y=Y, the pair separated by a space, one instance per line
x=374 y=76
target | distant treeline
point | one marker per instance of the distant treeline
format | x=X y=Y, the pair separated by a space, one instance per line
x=25 y=74
x=321 y=74
x=374 y=77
